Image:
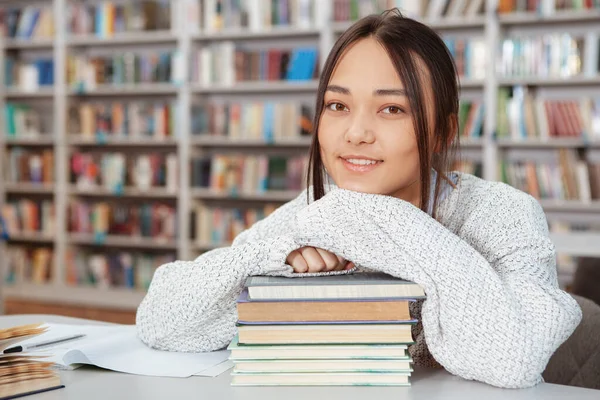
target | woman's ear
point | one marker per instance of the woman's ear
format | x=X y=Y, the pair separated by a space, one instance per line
x=452 y=132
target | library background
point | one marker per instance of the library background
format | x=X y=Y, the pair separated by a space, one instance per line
x=137 y=132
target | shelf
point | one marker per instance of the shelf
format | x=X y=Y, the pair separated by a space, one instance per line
x=581 y=244
x=30 y=237
x=34 y=43
x=466 y=143
x=131 y=192
x=439 y=24
x=568 y=82
x=42 y=140
x=79 y=140
x=122 y=241
x=468 y=83
x=260 y=87
x=224 y=141
x=554 y=143
x=151 y=37
x=571 y=206
x=29 y=188
x=42 y=91
x=117 y=298
x=271 y=195
x=532 y=18
x=274 y=33
x=127 y=89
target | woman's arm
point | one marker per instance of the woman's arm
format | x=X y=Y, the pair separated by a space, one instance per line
x=494 y=312
x=191 y=305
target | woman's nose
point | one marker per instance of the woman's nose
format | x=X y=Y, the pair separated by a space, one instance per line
x=360 y=130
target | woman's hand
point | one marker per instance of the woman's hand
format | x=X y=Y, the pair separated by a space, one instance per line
x=311 y=259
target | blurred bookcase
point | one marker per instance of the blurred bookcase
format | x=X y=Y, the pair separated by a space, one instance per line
x=218 y=108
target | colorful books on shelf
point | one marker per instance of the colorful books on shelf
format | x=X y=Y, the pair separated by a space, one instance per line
x=35 y=166
x=522 y=115
x=29 y=216
x=110 y=18
x=268 y=121
x=469 y=56
x=146 y=220
x=127 y=120
x=329 y=330
x=225 y=64
x=546 y=7
x=118 y=171
x=566 y=177
x=558 y=55
x=352 y=10
x=224 y=15
x=113 y=269
x=29 y=264
x=22 y=120
x=470 y=119
x=122 y=68
x=29 y=22
x=247 y=174
x=28 y=76
x=220 y=226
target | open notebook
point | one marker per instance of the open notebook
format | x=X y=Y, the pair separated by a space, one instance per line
x=117 y=348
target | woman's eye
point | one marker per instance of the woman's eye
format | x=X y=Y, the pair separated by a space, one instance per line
x=337 y=107
x=392 y=110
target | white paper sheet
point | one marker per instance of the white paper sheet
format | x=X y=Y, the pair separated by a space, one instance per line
x=118 y=348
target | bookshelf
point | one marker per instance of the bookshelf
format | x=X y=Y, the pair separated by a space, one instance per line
x=184 y=39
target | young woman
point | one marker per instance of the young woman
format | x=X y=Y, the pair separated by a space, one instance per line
x=386 y=120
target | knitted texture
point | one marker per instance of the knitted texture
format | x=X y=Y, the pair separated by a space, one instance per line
x=493 y=313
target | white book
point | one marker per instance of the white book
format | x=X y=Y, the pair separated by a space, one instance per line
x=206 y=56
x=171 y=173
x=302 y=13
x=210 y=15
x=28 y=78
x=583 y=182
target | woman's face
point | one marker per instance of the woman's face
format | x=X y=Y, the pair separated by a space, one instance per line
x=368 y=143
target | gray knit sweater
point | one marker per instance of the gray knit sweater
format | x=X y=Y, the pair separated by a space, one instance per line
x=493 y=313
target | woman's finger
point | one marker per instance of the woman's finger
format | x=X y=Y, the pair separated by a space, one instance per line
x=313 y=259
x=297 y=262
x=331 y=260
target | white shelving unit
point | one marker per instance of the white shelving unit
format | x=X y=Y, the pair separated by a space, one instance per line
x=490 y=26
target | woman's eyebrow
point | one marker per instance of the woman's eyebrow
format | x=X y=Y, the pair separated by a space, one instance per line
x=389 y=92
x=338 y=89
x=377 y=92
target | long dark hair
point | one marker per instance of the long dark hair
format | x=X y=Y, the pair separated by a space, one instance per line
x=404 y=39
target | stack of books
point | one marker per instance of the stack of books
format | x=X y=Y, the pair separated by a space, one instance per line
x=325 y=330
x=22 y=374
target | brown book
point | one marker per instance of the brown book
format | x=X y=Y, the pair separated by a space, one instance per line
x=322 y=311
x=594 y=173
x=325 y=333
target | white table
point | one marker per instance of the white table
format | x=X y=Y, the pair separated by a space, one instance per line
x=89 y=383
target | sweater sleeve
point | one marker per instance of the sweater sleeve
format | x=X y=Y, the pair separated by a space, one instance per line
x=496 y=318
x=191 y=305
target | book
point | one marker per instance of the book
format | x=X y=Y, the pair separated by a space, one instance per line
x=323 y=351
x=325 y=333
x=357 y=310
x=20 y=374
x=351 y=286
x=329 y=366
x=321 y=379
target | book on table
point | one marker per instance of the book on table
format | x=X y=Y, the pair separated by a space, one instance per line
x=327 y=330
x=21 y=374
